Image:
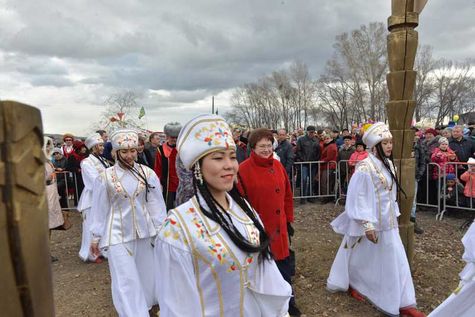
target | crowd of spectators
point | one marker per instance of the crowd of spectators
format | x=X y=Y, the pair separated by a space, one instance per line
x=317 y=153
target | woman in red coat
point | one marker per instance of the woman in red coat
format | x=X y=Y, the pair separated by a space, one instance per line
x=265 y=184
x=327 y=170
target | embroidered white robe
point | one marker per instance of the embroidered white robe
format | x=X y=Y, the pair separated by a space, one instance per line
x=201 y=272
x=379 y=271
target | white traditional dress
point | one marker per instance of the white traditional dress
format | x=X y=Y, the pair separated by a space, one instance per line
x=91 y=168
x=379 y=271
x=126 y=224
x=55 y=215
x=201 y=272
x=461 y=302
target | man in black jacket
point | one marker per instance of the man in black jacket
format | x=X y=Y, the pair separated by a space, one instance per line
x=420 y=153
x=285 y=152
x=464 y=148
x=308 y=150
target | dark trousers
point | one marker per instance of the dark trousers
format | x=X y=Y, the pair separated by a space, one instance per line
x=285 y=268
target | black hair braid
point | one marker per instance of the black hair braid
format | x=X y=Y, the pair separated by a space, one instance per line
x=225 y=221
x=386 y=164
x=139 y=174
x=101 y=159
x=263 y=237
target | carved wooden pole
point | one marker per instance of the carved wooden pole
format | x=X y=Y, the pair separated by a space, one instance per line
x=25 y=273
x=402 y=47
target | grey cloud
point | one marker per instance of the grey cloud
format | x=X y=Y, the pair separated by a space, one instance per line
x=50 y=80
x=194 y=49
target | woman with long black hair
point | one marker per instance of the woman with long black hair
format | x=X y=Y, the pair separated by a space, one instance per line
x=212 y=253
x=371 y=262
x=127 y=210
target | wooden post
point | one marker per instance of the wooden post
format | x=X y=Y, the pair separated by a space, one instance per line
x=25 y=273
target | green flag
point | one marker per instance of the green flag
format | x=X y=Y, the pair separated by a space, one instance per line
x=142 y=112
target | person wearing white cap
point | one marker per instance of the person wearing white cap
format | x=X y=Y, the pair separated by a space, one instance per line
x=371 y=262
x=91 y=167
x=212 y=252
x=461 y=302
x=127 y=210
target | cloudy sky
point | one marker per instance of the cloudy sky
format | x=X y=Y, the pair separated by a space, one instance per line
x=67 y=57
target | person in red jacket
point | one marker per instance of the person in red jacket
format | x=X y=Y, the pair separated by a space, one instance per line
x=443 y=155
x=264 y=182
x=327 y=170
x=165 y=164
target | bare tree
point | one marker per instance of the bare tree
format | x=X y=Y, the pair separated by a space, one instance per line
x=281 y=99
x=454 y=89
x=121 y=110
x=425 y=85
x=364 y=55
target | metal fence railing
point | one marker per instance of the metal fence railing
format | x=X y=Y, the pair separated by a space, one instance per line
x=453 y=196
x=316 y=180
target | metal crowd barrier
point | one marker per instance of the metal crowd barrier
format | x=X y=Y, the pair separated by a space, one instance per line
x=429 y=184
x=307 y=178
x=344 y=170
x=67 y=189
x=434 y=191
x=460 y=201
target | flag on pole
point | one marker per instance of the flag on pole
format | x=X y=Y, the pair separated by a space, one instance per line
x=141 y=113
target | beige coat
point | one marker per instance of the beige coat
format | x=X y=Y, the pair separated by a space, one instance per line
x=55 y=215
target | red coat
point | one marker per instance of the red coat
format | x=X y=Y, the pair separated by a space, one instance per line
x=266 y=186
x=171 y=183
x=329 y=154
x=442 y=158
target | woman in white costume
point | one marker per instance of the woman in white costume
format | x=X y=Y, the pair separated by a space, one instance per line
x=461 y=302
x=91 y=167
x=127 y=210
x=371 y=262
x=55 y=214
x=212 y=253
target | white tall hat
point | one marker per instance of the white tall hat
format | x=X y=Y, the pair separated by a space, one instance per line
x=93 y=140
x=123 y=139
x=376 y=133
x=202 y=135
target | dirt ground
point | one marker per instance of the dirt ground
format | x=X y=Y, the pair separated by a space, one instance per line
x=84 y=289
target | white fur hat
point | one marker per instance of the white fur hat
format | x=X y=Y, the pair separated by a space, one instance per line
x=471 y=160
x=202 y=135
x=93 y=140
x=123 y=139
x=443 y=140
x=376 y=133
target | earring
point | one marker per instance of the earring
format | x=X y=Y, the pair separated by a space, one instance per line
x=198 y=175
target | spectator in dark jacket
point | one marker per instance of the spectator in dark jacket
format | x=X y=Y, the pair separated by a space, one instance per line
x=143 y=155
x=241 y=147
x=308 y=150
x=420 y=170
x=59 y=163
x=73 y=165
x=463 y=147
x=344 y=155
x=285 y=152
